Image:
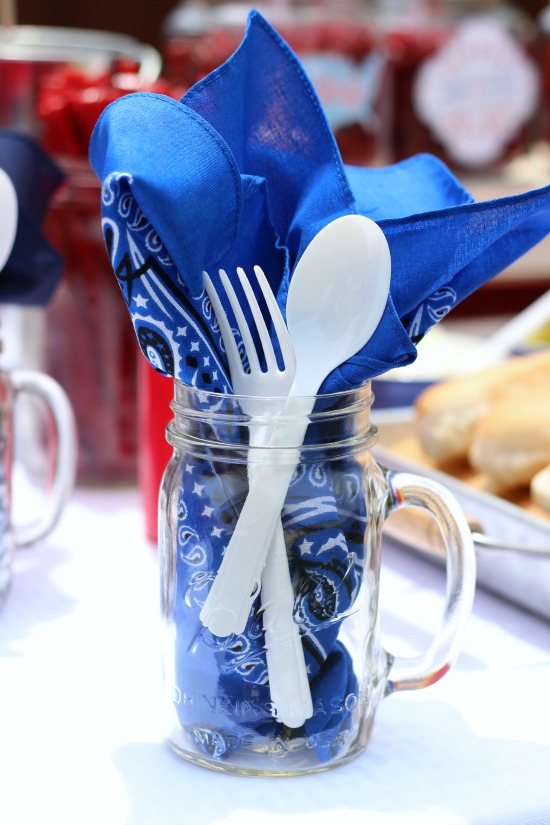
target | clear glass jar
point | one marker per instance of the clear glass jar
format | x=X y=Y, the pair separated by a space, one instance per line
x=235 y=702
x=42 y=501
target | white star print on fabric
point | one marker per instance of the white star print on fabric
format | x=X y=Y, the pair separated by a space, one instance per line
x=305 y=547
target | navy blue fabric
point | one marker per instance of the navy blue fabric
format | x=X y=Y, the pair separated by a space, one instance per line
x=34 y=268
x=244 y=170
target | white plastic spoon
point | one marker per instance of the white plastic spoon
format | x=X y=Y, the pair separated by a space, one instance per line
x=8 y=217
x=335 y=302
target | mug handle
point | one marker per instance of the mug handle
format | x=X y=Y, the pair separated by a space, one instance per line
x=63 y=450
x=415 y=672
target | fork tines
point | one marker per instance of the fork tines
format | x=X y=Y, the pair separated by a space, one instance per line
x=250 y=302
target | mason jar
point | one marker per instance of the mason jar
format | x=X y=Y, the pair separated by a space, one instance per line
x=279 y=513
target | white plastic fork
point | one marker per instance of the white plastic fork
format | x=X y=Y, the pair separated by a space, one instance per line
x=288 y=682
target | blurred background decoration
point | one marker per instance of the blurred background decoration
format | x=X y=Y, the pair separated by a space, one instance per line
x=142 y=21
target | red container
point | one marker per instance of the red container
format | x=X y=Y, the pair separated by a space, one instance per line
x=155 y=392
x=29 y=55
x=89 y=343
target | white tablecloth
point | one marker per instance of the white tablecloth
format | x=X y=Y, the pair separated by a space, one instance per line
x=81 y=740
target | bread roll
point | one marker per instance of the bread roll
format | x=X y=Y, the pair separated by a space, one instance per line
x=447 y=413
x=540 y=488
x=512 y=441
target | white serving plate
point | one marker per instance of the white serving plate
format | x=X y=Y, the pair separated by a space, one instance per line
x=512 y=544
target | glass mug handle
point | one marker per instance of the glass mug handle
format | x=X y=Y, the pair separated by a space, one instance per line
x=412 y=673
x=63 y=450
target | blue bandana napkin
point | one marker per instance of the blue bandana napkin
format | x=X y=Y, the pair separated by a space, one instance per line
x=244 y=170
x=33 y=269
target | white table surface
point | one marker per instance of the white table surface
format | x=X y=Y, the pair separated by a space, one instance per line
x=81 y=740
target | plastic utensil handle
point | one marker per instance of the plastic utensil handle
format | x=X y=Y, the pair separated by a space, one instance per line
x=63 y=451
x=420 y=671
x=238 y=579
x=286 y=666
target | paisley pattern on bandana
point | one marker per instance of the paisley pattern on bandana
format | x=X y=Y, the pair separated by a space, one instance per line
x=176 y=330
x=431 y=312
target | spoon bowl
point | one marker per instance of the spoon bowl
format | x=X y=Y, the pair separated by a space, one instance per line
x=336 y=298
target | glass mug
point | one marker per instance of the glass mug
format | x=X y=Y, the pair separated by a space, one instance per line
x=57 y=414
x=219 y=689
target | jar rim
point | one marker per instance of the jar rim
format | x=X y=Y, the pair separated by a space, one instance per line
x=323 y=403
x=336 y=422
